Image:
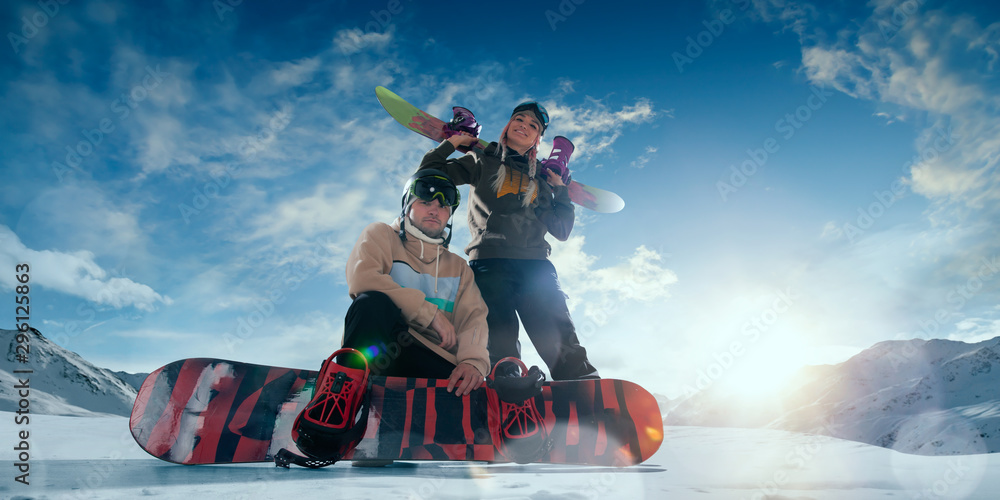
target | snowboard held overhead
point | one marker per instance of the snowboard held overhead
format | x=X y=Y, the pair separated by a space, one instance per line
x=427 y=125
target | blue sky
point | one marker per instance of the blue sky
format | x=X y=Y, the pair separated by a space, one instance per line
x=801 y=182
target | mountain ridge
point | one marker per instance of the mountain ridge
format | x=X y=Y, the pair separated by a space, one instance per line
x=59 y=381
x=927 y=397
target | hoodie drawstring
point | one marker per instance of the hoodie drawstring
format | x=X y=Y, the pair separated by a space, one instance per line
x=437 y=268
x=421 y=237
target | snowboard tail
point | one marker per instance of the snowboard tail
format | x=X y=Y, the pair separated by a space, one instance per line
x=210 y=411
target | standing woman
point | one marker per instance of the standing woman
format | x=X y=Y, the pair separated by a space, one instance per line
x=511 y=210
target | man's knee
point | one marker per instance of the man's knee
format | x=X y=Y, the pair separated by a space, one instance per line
x=372 y=302
x=372 y=317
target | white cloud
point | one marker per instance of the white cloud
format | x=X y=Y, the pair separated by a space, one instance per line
x=917 y=280
x=330 y=207
x=353 y=41
x=314 y=231
x=640 y=277
x=974 y=330
x=304 y=342
x=645 y=157
x=793 y=16
x=160 y=145
x=74 y=273
x=931 y=62
x=831 y=230
x=943 y=178
x=930 y=67
x=78 y=215
x=294 y=73
x=837 y=68
x=594 y=127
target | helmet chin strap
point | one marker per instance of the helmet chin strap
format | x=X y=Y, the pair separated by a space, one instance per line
x=402 y=227
x=447 y=239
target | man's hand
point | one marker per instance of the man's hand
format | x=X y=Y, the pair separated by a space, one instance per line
x=444 y=328
x=464 y=378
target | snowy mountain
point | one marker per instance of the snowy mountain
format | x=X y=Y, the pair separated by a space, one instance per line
x=928 y=397
x=60 y=382
x=133 y=379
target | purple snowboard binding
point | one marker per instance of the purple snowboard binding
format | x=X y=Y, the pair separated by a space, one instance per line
x=558 y=159
x=463 y=121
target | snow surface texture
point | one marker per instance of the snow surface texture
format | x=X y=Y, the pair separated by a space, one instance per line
x=928 y=397
x=96 y=458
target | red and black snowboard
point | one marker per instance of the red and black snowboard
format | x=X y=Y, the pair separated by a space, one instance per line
x=211 y=411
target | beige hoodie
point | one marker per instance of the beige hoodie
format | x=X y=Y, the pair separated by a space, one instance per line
x=421 y=278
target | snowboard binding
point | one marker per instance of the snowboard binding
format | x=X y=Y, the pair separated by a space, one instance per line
x=516 y=426
x=463 y=121
x=334 y=421
x=558 y=159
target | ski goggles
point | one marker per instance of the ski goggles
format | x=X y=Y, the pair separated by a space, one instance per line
x=434 y=187
x=535 y=107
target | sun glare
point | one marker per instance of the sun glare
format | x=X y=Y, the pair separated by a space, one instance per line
x=764 y=372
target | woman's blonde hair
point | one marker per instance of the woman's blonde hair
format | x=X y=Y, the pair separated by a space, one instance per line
x=531 y=154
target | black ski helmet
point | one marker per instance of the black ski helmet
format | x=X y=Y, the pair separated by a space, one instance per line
x=429 y=184
x=539 y=111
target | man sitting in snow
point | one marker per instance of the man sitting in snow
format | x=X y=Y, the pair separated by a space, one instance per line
x=417 y=311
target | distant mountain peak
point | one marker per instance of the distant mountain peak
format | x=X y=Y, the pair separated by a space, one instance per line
x=60 y=381
x=933 y=397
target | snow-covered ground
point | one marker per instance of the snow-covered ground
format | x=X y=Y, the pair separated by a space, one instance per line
x=935 y=394
x=95 y=457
